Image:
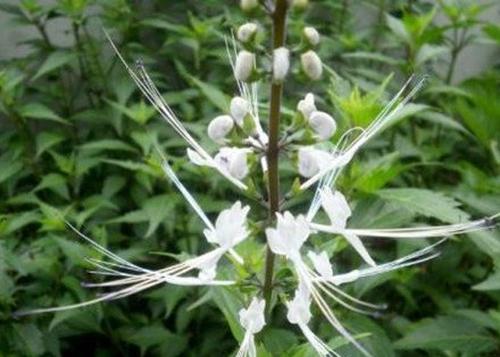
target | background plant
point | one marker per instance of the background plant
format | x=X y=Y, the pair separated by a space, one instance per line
x=74 y=136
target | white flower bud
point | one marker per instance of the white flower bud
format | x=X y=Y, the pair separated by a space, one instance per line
x=246 y=32
x=311 y=35
x=244 y=66
x=248 y=5
x=306 y=106
x=239 y=109
x=323 y=124
x=311 y=65
x=281 y=63
x=219 y=127
x=234 y=161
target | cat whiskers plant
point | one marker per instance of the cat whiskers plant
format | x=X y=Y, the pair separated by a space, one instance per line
x=240 y=136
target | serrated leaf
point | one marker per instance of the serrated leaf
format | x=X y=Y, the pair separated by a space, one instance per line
x=9 y=168
x=107 y=144
x=447 y=333
x=31 y=338
x=426 y=203
x=40 y=111
x=54 y=182
x=491 y=283
x=277 y=341
x=213 y=94
x=45 y=140
x=157 y=209
x=53 y=62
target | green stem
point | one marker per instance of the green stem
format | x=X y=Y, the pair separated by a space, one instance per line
x=279 y=36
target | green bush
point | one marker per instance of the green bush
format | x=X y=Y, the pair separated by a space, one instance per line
x=77 y=135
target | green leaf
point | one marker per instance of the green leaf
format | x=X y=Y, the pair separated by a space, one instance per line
x=55 y=182
x=213 y=94
x=155 y=335
x=45 y=140
x=277 y=341
x=54 y=61
x=40 y=111
x=491 y=283
x=31 y=337
x=19 y=220
x=157 y=209
x=398 y=28
x=227 y=301
x=447 y=333
x=107 y=144
x=9 y=168
x=444 y=120
x=426 y=203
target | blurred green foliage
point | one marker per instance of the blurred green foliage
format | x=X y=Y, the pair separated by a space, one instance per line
x=73 y=136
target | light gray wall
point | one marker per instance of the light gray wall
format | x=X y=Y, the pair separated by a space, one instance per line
x=472 y=61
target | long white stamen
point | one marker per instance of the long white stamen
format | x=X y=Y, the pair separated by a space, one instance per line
x=319 y=346
x=301 y=270
x=414 y=233
x=151 y=92
x=415 y=258
x=379 y=123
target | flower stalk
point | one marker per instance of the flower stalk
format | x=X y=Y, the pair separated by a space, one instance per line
x=279 y=37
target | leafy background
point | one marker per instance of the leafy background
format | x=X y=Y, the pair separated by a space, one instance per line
x=73 y=136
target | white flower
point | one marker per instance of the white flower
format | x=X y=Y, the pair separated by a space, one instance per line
x=290 y=233
x=310 y=160
x=219 y=127
x=311 y=65
x=246 y=32
x=321 y=264
x=306 y=106
x=323 y=124
x=230 y=227
x=234 y=161
x=338 y=210
x=336 y=207
x=244 y=66
x=252 y=318
x=248 y=5
x=239 y=109
x=299 y=313
x=299 y=309
x=311 y=35
x=281 y=63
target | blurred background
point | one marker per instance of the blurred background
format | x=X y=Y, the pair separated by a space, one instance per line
x=73 y=135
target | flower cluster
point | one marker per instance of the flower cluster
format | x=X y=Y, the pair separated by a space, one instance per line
x=319 y=161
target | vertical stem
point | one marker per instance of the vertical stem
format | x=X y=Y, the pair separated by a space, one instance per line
x=279 y=35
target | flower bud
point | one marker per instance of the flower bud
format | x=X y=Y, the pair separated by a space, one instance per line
x=239 y=109
x=248 y=5
x=306 y=106
x=281 y=63
x=244 y=66
x=234 y=161
x=323 y=124
x=219 y=127
x=246 y=32
x=311 y=65
x=311 y=35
